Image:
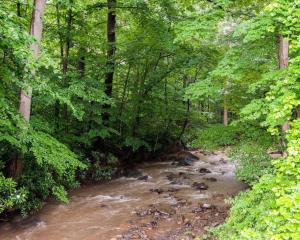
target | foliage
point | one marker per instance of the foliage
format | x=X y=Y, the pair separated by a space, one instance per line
x=252 y=160
x=100 y=167
x=179 y=66
x=10 y=196
x=270 y=210
x=216 y=136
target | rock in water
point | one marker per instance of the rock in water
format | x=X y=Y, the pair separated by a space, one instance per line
x=157 y=190
x=204 y=171
x=211 y=179
x=200 y=186
x=188 y=161
x=143 y=178
x=206 y=206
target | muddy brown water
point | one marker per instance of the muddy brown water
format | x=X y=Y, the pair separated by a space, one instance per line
x=166 y=206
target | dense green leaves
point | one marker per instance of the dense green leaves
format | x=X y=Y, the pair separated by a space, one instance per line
x=179 y=66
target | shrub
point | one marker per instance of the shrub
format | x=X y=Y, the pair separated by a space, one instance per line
x=271 y=209
x=10 y=196
x=217 y=136
x=252 y=160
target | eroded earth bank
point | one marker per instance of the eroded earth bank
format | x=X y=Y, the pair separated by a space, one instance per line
x=162 y=200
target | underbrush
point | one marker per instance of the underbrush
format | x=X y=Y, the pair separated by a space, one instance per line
x=248 y=147
x=218 y=136
x=252 y=160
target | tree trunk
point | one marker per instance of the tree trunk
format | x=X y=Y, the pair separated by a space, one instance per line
x=111 y=50
x=81 y=62
x=298 y=112
x=122 y=104
x=36 y=29
x=67 y=43
x=225 y=112
x=111 y=42
x=283 y=59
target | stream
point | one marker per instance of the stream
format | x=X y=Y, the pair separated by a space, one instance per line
x=170 y=201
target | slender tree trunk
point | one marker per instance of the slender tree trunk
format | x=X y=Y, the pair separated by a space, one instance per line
x=283 y=59
x=111 y=42
x=298 y=112
x=36 y=29
x=18 y=9
x=81 y=62
x=122 y=105
x=61 y=45
x=67 y=46
x=186 y=82
x=225 y=111
x=111 y=51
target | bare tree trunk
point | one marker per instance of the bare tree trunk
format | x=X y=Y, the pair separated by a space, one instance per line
x=283 y=59
x=111 y=50
x=225 y=112
x=122 y=105
x=67 y=47
x=298 y=112
x=81 y=62
x=111 y=41
x=36 y=29
x=61 y=43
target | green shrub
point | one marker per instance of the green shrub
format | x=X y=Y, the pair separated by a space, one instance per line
x=217 y=136
x=252 y=160
x=271 y=209
x=100 y=167
x=10 y=195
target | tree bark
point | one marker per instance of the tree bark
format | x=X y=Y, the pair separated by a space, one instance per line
x=111 y=48
x=111 y=51
x=36 y=29
x=67 y=43
x=81 y=62
x=225 y=112
x=283 y=59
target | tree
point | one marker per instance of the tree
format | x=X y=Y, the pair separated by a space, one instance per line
x=36 y=29
x=283 y=60
x=111 y=49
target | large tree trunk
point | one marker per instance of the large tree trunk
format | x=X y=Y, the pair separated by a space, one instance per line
x=36 y=29
x=283 y=59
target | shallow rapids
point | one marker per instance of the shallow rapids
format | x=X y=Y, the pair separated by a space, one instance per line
x=175 y=202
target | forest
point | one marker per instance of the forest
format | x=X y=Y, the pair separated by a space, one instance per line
x=92 y=88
